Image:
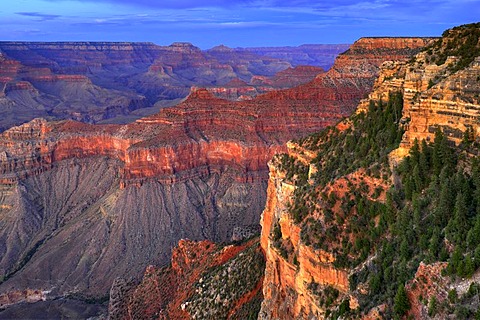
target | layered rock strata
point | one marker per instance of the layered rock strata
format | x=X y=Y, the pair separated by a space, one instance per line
x=440 y=92
x=288 y=285
x=117 y=82
x=108 y=200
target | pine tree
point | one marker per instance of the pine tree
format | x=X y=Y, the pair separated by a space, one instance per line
x=473 y=236
x=417 y=180
x=460 y=219
x=401 y=303
x=469 y=267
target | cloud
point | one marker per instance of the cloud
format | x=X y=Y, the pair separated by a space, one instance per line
x=40 y=16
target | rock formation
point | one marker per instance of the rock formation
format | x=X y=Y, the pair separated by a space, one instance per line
x=118 y=82
x=109 y=200
x=330 y=251
x=204 y=281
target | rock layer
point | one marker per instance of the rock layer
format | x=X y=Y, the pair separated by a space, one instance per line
x=288 y=283
x=108 y=200
x=118 y=82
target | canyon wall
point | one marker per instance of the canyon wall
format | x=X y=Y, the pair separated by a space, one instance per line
x=109 y=200
x=118 y=82
x=440 y=90
x=296 y=273
x=306 y=222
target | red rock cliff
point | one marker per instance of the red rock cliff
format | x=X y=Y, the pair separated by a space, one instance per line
x=297 y=276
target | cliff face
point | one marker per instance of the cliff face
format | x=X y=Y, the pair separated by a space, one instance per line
x=340 y=205
x=108 y=200
x=237 y=89
x=440 y=89
x=295 y=274
x=33 y=86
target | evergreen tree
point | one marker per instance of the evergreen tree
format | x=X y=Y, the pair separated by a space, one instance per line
x=473 y=236
x=469 y=267
x=460 y=219
x=401 y=304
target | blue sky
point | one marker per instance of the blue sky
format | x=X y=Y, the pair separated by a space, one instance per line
x=207 y=23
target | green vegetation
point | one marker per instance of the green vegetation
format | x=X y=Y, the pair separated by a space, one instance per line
x=221 y=287
x=365 y=144
x=284 y=246
x=329 y=298
x=462 y=42
x=296 y=171
x=401 y=304
x=432 y=213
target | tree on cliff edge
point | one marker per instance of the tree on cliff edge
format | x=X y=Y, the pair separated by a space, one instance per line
x=401 y=304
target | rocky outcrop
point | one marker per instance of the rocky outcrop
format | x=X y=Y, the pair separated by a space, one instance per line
x=237 y=89
x=304 y=281
x=109 y=200
x=440 y=91
x=204 y=280
x=295 y=273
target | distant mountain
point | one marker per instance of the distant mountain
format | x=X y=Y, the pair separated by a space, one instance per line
x=120 y=82
x=319 y=55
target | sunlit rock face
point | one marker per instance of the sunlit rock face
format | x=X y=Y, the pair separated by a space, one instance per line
x=81 y=204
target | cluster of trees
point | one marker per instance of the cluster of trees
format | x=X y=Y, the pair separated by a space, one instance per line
x=431 y=214
x=462 y=42
x=441 y=192
x=296 y=171
x=365 y=144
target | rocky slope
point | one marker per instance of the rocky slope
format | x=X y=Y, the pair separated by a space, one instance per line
x=237 y=89
x=108 y=200
x=352 y=228
x=27 y=92
x=204 y=281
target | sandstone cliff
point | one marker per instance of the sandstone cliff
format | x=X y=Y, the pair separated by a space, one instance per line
x=108 y=200
x=440 y=88
x=349 y=228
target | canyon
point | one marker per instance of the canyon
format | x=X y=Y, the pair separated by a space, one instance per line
x=119 y=82
x=109 y=200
